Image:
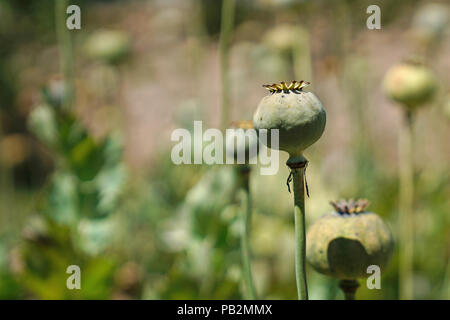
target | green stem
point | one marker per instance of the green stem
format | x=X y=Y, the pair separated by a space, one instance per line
x=298 y=172
x=301 y=52
x=246 y=211
x=406 y=218
x=65 y=49
x=226 y=32
x=349 y=288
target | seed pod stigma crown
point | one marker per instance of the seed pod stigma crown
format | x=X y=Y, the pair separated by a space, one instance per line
x=294 y=86
x=351 y=206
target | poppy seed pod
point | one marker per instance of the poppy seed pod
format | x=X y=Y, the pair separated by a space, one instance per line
x=241 y=141
x=299 y=116
x=344 y=243
x=410 y=84
x=430 y=22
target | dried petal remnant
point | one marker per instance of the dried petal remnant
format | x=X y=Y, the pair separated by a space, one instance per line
x=282 y=86
x=351 y=206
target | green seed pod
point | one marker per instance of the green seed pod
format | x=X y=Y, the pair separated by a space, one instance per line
x=430 y=22
x=299 y=116
x=108 y=46
x=241 y=142
x=344 y=243
x=410 y=84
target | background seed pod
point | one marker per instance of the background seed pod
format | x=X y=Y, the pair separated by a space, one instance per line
x=410 y=84
x=430 y=22
x=241 y=142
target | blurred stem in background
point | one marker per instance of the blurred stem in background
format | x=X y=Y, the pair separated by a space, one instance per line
x=65 y=49
x=356 y=85
x=246 y=213
x=406 y=217
x=301 y=52
x=226 y=32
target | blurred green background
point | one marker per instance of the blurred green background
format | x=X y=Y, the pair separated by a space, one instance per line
x=91 y=182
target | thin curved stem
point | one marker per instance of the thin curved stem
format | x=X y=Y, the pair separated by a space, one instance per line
x=300 y=231
x=406 y=218
x=246 y=214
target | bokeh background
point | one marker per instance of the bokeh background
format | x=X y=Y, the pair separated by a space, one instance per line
x=91 y=182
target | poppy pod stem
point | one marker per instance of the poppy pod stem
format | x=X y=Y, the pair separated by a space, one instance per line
x=246 y=213
x=298 y=164
x=406 y=218
x=349 y=288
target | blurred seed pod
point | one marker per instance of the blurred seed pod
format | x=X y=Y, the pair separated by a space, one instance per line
x=241 y=141
x=430 y=23
x=108 y=46
x=410 y=84
x=344 y=243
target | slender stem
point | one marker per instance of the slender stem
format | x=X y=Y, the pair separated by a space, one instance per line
x=246 y=211
x=65 y=49
x=298 y=172
x=302 y=57
x=226 y=32
x=406 y=218
x=349 y=288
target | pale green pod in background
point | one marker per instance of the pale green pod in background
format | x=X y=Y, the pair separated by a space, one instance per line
x=410 y=84
x=241 y=141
